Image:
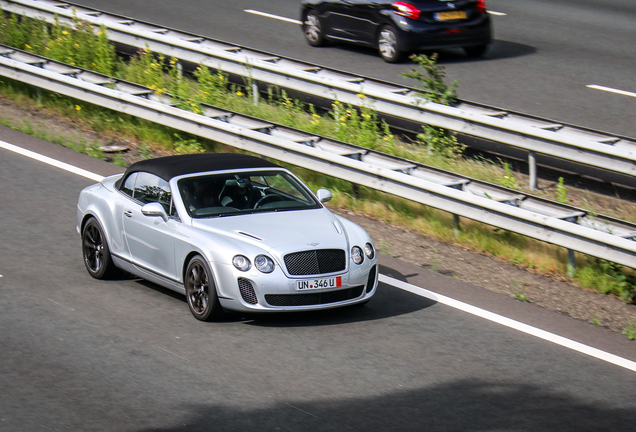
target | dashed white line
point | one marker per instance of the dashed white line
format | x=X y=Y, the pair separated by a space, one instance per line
x=277 y=17
x=51 y=161
x=497 y=13
x=465 y=307
x=611 y=90
x=499 y=319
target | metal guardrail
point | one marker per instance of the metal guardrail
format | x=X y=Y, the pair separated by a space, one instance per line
x=532 y=134
x=547 y=221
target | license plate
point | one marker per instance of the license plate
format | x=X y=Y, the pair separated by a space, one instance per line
x=310 y=284
x=452 y=15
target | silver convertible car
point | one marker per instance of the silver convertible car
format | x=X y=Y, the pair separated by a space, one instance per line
x=229 y=231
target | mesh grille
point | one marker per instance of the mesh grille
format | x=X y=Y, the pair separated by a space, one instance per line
x=371 y=279
x=247 y=291
x=314 y=262
x=307 y=299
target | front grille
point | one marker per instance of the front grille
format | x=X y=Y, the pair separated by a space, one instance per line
x=247 y=291
x=314 y=262
x=308 y=299
x=371 y=279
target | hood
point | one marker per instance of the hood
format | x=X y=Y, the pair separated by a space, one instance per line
x=283 y=231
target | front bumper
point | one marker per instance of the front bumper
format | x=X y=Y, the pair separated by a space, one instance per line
x=257 y=292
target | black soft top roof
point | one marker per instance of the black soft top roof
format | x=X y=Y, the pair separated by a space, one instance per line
x=173 y=166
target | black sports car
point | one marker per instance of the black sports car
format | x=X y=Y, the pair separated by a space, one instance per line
x=398 y=28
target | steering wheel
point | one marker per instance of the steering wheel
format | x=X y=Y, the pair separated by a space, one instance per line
x=267 y=198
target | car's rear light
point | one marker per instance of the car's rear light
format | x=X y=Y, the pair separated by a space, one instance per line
x=481 y=6
x=406 y=10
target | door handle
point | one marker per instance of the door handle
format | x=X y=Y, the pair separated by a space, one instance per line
x=128 y=213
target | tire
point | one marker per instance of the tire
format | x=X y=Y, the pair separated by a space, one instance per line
x=96 y=252
x=313 y=30
x=201 y=291
x=476 y=51
x=389 y=45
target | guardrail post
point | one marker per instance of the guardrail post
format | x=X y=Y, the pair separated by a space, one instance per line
x=571 y=263
x=456 y=226
x=355 y=190
x=532 y=167
x=179 y=70
x=255 y=93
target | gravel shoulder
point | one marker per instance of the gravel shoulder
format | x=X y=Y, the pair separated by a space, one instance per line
x=484 y=271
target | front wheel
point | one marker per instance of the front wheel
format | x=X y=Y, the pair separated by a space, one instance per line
x=95 y=251
x=388 y=45
x=313 y=30
x=201 y=291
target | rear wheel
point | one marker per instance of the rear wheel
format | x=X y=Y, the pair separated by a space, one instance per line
x=201 y=291
x=96 y=253
x=476 y=51
x=388 y=45
x=313 y=30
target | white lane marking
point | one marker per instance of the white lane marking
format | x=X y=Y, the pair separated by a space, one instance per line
x=611 y=90
x=497 y=13
x=542 y=334
x=51 y=161
x=170 y=352
x=302 y=410
x=60 y=304
x=268 y=15
x=525 y=328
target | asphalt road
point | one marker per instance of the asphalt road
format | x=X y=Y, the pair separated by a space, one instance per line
x=545 y=54
x=125 y=355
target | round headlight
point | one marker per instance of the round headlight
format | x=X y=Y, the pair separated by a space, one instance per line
x=369 y=251
x=241 y=262
x=264 y=263
x=356 y=255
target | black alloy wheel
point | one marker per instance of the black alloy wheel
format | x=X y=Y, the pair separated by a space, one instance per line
x=95 y=251
x=201 y=291
x=389 y=45
x=313 y=30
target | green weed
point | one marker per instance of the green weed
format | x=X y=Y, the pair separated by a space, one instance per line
x=561 y=192
x=629 y=330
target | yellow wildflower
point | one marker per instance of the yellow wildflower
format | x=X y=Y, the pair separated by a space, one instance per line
x=238 y=93
x=27 y=46
x=77 y=107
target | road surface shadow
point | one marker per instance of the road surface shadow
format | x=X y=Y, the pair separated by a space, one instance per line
x=463 y=405
x=499 y=49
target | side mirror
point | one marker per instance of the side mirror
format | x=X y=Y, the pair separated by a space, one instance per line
x=323 y=195
x=154 y=209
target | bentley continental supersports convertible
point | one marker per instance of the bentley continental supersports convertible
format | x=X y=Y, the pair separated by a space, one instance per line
x=229 y=231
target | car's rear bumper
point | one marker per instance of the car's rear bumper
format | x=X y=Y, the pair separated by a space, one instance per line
x=418 y=36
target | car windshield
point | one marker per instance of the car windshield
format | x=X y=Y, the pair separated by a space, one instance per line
x=241 y=193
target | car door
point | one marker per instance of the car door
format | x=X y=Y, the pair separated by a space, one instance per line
x=151 y=239
x=355 y=20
